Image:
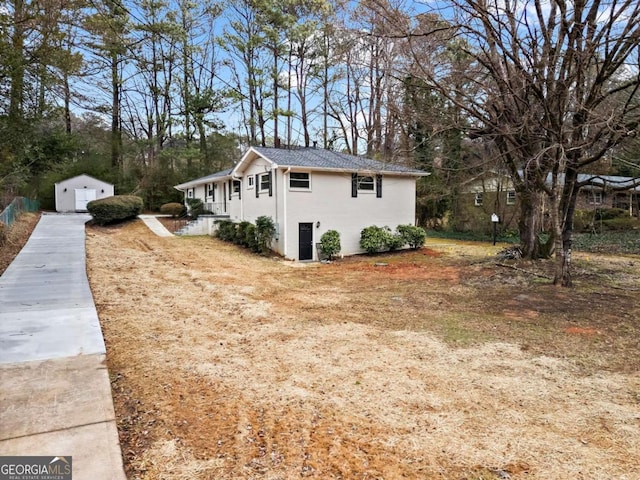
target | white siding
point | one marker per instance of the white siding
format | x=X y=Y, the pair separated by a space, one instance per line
x=330 y=203
x=263 y=205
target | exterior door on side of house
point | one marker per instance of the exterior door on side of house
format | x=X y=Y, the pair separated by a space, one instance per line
x=305 y=241
x=84 y=196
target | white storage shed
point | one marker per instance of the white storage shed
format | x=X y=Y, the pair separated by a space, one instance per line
x=73 y=194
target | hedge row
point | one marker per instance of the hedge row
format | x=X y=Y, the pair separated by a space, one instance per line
x=115 y=209
x=375 y=239
x=603 y=219
x=256 y=237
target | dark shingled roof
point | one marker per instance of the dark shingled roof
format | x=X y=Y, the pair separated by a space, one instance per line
x=208 y=178
x=313 y=158
x=330 y=160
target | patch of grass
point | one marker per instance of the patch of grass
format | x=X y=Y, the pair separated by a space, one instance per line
x=620 y=241
x=507 y=237
x=458 y=331
x=608 y=242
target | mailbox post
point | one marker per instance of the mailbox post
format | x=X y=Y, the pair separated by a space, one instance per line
x=495 y=219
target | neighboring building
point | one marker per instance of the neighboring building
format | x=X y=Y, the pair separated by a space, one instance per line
x=73 y=194
x=494 y=193
x=308 y=191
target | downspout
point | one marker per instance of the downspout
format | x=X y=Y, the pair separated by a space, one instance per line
x=284 y=228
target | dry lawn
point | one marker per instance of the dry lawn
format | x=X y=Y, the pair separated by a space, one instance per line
x=440 y=364
x=16 y=236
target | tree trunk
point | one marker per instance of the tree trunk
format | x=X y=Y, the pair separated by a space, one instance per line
x=16 y=94
x=116 y=138
x=204 y=147
x=67 y=103
x=566 y=209
x=529 y=224
x=325 y=93
x=276 y=94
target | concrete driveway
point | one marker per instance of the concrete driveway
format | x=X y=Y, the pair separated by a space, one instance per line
x=55 y=394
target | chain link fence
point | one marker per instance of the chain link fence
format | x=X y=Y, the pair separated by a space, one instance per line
x=17 y=206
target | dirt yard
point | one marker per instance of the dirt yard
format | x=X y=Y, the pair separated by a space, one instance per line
x=16 y=237
x=437 y=364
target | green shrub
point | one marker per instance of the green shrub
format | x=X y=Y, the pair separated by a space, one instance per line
x=583 y=220
x=114 y=209
x=174 y=209
x=265 y=231
x=619 y=224
x=393 y=241
x=412 y=235
x=609 y=213
x=250 y=237
x=226 y=230
x=330 y=243
x=196 y=207
x=373 y=239
x=241 y=234
x=256 y=237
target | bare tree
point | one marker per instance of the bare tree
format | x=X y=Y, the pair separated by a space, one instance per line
x=553 y=85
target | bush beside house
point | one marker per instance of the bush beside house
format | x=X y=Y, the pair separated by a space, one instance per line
x=412 y=235
x=376 y=239
x=256 y=237
x=174 y=209
x=330 y=244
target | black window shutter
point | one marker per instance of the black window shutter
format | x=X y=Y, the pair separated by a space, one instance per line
x=257 y=185
x=230 y=188
x=271 y=183
x=354 y=184
x=379 y=186
x=240 y=190
x=213 y=192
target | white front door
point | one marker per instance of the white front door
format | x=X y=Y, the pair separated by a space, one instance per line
x=84 y=196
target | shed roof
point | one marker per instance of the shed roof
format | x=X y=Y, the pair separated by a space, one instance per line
x=83 y=175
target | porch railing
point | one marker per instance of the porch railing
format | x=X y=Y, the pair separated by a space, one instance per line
x=217 y=208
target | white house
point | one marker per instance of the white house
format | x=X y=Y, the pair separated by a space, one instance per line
x=307 y=191
x=73 y=194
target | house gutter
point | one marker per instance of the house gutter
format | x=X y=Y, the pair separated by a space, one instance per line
x=284 y=210
x=359 y=170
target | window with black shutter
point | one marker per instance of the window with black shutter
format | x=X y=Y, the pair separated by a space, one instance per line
x=366 y=183
x=265 y=182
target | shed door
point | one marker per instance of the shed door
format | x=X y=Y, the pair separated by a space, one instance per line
x=84 y=196
x=305 y=241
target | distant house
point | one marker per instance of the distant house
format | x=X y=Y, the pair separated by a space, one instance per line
x=308 y=191
x=494 y=193
x=73 y=194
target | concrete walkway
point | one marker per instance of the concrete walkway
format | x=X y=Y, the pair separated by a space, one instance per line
x=55 y=394
x=155 y=225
